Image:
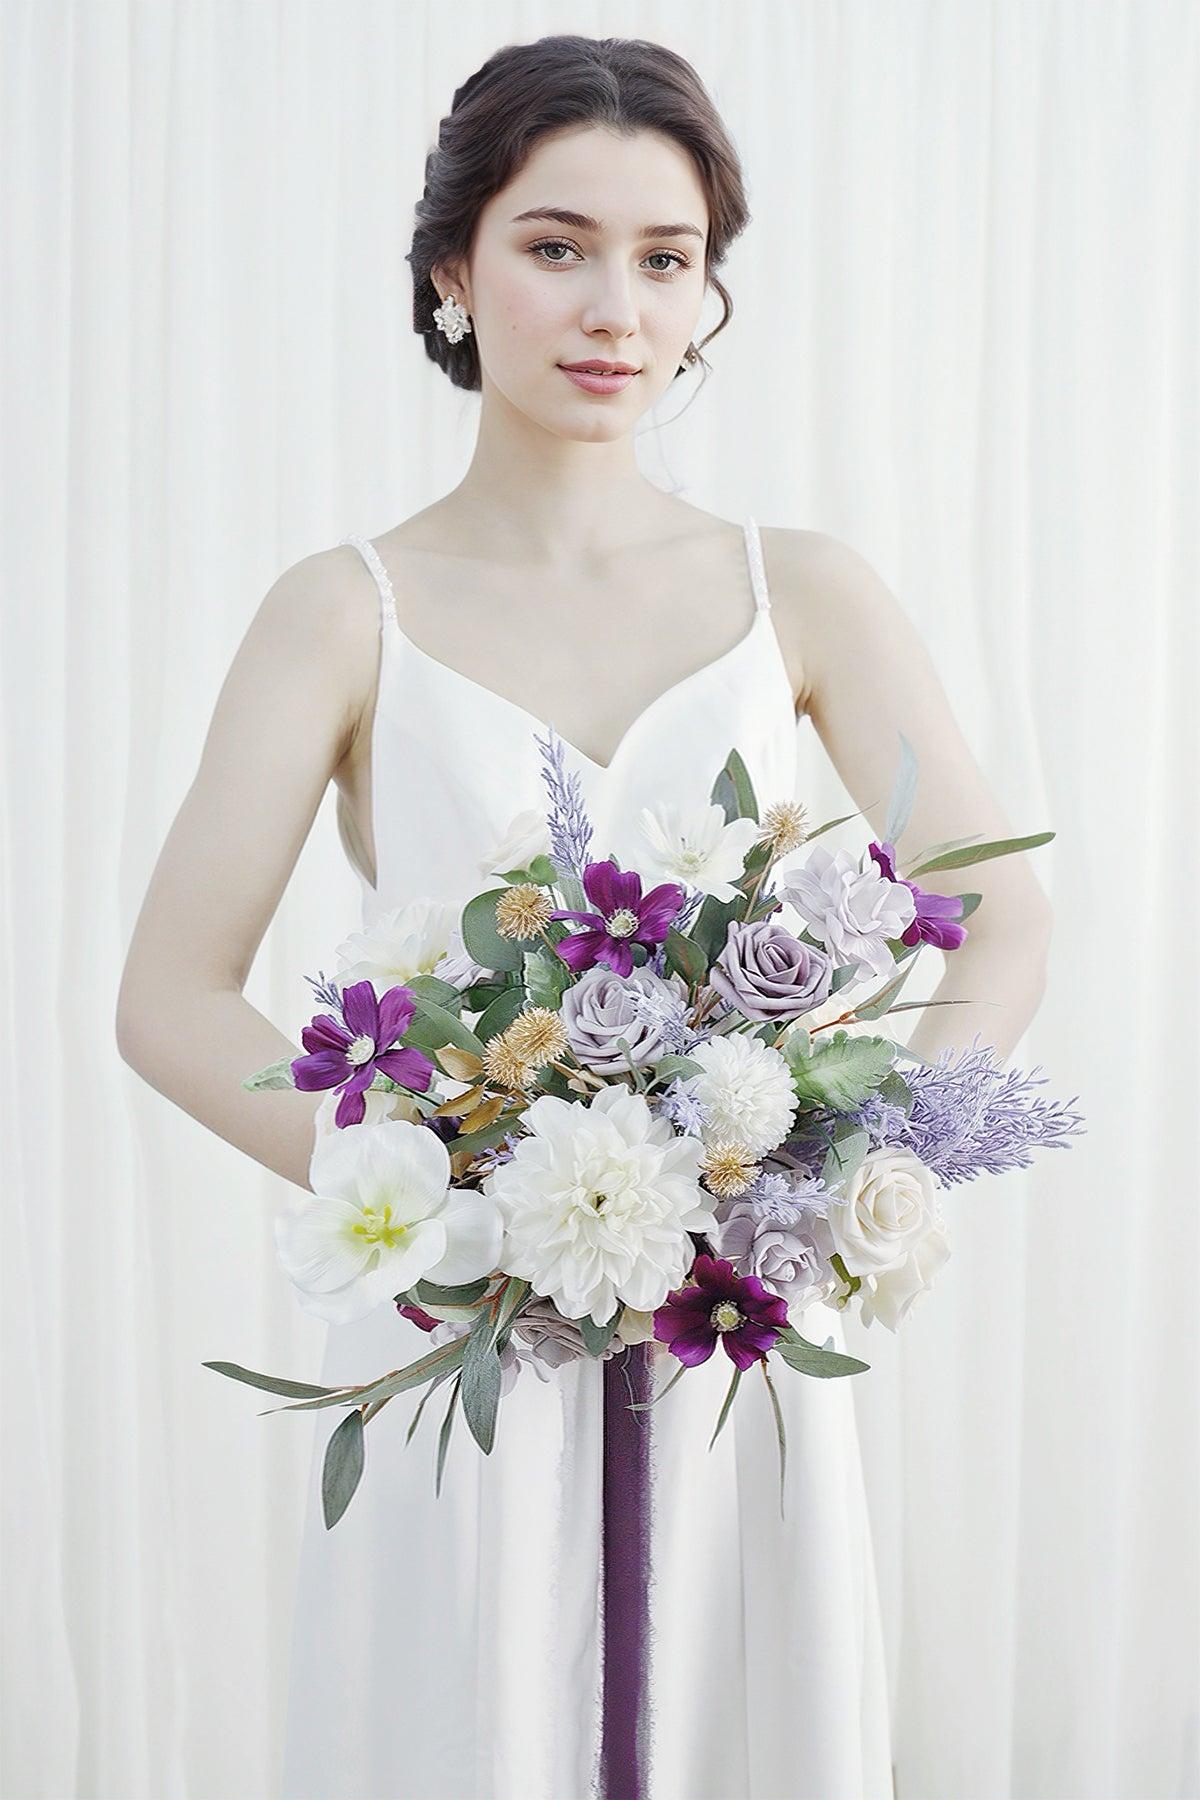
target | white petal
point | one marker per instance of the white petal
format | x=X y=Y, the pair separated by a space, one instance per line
x=314 y=1244
x=475 y=1235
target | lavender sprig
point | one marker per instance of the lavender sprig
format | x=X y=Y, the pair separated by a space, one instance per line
x=566 y=815
x=972 y=1117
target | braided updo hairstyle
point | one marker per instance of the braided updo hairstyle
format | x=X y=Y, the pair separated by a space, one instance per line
x=526 y=91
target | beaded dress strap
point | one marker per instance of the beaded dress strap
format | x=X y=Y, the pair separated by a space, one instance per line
x=758 y=572
x=383 y=581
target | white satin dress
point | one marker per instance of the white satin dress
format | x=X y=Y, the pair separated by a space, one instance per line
x=449 y=1647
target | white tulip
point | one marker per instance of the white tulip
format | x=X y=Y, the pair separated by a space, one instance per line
x=381 y=1217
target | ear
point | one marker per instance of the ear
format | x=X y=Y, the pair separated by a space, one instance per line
x=448 y=280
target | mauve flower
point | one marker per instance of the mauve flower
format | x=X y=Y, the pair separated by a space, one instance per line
x=851 y=910
x=937 y=914
x=601 y=1007
x=767 y=973
x=346 y=1052
x=624 y=917
x=790 y=1256
x=716 y=1303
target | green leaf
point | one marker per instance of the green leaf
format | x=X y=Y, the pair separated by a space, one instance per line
x=500 y=1014
x=668 y=1067
x=730 y=1392
x=343 y=1467
x=434 y=988
x=840 y=1071
x=895 y=1090
x=712 y=925
x=421 y=1404
x=484 y=1138
x=850 y=1145
x=969 y=903
x=274 y=1384
x=481 y=1384
x=644 y=1405
x=879 y=1002
x=543 y=871
x=432 y=1293
x=830 y=825
x=444 y=1433
x=435 y=1362
x=481 y=938
x=597 y=1338
x=275 y=1075
x=962 y=859
x=734 y=791
x=900 y=804
x=515 y=1296
x=780 y=1433
x=478 y=998
x=810 y=1359
x=685 y=957
x=547 y=977
x=452 y=1028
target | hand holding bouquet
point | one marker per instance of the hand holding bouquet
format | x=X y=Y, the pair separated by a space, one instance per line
x=612 y=1106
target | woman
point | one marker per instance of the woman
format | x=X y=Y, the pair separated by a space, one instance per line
x=579 y=203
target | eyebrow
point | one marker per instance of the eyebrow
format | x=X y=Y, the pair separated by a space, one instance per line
x=560 y=215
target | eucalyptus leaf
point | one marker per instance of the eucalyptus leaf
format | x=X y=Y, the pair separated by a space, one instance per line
x=483 y=942
x=811 y=1359
x=963 y=859
x=435 y=1362
x=433 y=1293
x=484 y=1138
x=543 y=871
x=712 y=925
x=844 y=1155
x=900 y=804
x=830 y=825
x=273 y=1384
x=724 y=1414
x=878 y=1003
x=444 y=1433
x=452 y=1029
x=434 y=988
x=734 y=791
x=500 y=1014
x=343 y=1467
x=780 y=1434
x=481 y=1376
x=668 y=1067
x=597 y=1338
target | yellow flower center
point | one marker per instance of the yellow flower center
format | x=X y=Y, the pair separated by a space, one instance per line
x=725 y=1316
x=378 y=1226
x=623 y=923
x=360 y=1050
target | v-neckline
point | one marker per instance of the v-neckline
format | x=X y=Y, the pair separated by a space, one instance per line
x=392 y=622
x=545 y=725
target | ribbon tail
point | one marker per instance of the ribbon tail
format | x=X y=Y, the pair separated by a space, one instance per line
x=624 y=1754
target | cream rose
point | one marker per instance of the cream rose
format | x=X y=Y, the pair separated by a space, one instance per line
x=887 y=1227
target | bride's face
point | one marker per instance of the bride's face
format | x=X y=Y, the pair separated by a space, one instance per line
x=623 y=280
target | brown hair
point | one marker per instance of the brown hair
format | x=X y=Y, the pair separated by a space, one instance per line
x=526 y=91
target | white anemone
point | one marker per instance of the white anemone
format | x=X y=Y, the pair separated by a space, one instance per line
x=693 y=844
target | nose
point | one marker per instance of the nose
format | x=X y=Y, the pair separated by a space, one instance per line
x=610 y=307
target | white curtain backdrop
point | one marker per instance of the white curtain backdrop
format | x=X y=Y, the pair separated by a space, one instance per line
x=965 y=341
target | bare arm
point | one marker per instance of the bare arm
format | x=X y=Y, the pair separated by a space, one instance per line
x=284 y=718
x=867 y=677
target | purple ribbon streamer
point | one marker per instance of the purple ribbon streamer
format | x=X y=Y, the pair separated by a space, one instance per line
x=624 y=1756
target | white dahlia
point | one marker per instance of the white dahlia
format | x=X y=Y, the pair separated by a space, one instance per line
x=597 y=1202
x=746 y=1092
x=409 y=940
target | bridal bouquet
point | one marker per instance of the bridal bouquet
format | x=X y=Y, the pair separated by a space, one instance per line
x=605 y=1107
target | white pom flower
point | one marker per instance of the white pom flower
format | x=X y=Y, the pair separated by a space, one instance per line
x=693 y=844
x=746 y=1091
x=597 y=1203
x=887 y=1227
x=527 y=835
x=851 y=911
x=381 y=1217
x=410 y=940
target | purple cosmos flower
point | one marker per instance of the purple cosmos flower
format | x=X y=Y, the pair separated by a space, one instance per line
x=738 y=1309
x=936 y=913
x=347 y=1051
x=624 y=917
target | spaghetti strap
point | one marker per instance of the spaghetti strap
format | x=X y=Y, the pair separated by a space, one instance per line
x=758 y=573
x=383 y=581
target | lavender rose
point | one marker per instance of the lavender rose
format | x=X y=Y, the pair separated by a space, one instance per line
x=767 y=973
x=791 y=1258
x=601 y=1007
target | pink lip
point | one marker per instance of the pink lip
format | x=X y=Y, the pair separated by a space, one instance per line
x=596 y=384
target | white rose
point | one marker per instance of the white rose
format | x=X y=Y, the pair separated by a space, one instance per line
x=887 y=1227
x=527 y=835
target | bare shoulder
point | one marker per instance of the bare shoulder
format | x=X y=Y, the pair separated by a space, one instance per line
x=824 y=595
x=326 y=606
